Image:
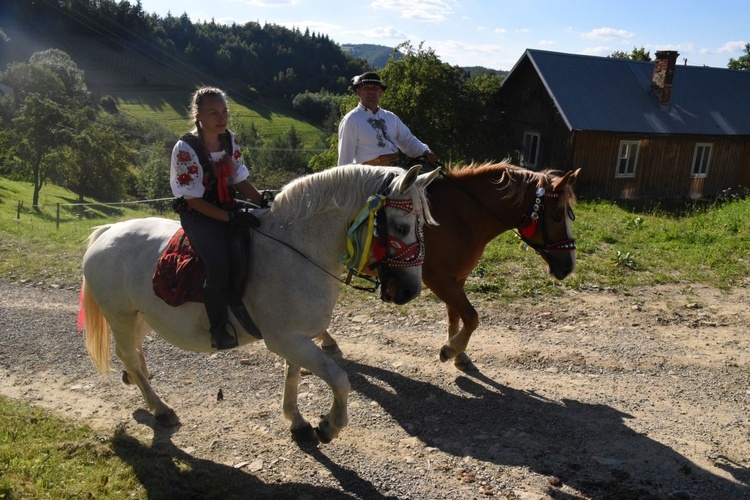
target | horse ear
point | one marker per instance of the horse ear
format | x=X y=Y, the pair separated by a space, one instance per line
x=406 y=181
x=569 y=178
x=424 y=179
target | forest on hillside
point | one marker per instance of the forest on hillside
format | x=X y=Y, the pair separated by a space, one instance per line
x=267 y=59
x=56 y=129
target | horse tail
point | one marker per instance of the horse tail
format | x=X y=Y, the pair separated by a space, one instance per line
x=91 y=318
x=96 y=330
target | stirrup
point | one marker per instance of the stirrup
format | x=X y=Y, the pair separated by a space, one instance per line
x=221 y=339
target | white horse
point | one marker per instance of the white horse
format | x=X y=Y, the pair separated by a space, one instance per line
x=295 y=254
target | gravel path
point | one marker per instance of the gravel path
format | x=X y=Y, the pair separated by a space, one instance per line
x=591 y=395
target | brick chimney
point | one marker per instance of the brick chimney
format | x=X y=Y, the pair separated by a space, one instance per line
x=661 y=81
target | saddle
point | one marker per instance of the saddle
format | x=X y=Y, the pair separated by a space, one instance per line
x=179 y=274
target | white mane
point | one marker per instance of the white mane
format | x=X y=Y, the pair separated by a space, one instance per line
x=345 y=187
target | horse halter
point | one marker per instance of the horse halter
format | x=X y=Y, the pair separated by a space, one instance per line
x=532 y=223
x=407 y=255
x=358 y=251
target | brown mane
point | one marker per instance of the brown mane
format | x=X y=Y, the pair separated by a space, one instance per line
x=512 y=179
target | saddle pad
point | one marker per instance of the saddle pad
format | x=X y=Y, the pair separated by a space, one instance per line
x=179 y=272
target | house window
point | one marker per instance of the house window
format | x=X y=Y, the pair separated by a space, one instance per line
x=530 y=150
x=701 y=159
x=627 y=159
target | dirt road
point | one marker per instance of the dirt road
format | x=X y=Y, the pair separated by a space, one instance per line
x=590 y=395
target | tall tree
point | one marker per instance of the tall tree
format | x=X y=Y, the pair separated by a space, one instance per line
x=41 y=127
x=742 y=62
x=50 y=104
x=438 y=102
x=72 y=77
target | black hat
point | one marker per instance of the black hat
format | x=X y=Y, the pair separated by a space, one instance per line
x=367 y=78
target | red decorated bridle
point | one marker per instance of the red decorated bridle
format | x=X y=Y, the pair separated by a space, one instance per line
x=533 y=222
x=407 y=255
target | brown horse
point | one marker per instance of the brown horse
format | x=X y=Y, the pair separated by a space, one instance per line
x=473 y=205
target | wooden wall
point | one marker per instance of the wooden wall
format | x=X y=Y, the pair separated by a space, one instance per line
x=664 y=161
x=663 y=168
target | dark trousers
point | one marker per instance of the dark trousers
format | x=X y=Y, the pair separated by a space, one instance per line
x=209 y=240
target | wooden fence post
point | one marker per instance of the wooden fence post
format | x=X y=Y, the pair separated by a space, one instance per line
x=18 y=211
x=57 y=221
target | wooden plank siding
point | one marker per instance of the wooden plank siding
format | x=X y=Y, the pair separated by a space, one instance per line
x=665 y=160
x=664 y=165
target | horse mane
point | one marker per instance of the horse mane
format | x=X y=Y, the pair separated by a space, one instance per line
x=513 y=180
x=344 y=187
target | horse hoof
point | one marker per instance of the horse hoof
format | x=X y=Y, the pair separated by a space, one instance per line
x=447 y=353
x=325 y=431
x=304 y=434
x=168 y=419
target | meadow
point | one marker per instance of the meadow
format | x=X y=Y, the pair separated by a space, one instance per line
x=620 y=244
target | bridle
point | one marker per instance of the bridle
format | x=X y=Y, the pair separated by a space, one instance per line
x=377 y=239
x=531 y=223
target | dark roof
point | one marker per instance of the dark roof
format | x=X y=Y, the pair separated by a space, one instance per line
x=601 y=93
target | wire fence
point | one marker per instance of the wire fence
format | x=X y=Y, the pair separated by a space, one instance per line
x=70 y=212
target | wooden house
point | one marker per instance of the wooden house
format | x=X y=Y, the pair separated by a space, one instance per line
x=637 y=129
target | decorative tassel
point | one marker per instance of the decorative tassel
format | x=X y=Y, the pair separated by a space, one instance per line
x=529 y=230
x=224 y=170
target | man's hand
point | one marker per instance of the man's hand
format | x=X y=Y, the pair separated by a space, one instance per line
x=431 y=157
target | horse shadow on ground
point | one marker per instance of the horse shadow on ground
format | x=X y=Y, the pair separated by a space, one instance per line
x=165 y=471
x=557 y=439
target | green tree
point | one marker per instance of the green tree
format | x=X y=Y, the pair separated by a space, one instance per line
x=50 y=105
x=72 y=77
x=456 y=115
x=742 y=62
x=41 y=127
x=101 y=159
x=638 y=54
x=440 y=103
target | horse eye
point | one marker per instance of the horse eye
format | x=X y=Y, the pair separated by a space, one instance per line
x=402 y=229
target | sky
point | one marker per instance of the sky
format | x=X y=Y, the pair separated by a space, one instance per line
x=495 y=33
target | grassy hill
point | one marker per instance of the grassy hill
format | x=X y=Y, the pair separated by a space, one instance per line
x=153 y=85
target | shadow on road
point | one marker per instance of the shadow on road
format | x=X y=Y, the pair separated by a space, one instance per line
x=505 y=426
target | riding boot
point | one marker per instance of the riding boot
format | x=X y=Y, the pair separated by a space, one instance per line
x=215 y=300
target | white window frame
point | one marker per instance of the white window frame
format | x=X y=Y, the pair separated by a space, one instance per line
x=631 y=159
x=527 y=138
x=701 y=159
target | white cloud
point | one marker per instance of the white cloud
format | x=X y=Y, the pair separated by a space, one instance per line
x=500 y=31
x=546 y=42
x=420 y=10
x=387 y=33
x=597 y=51
x=271 y=3
x=468 y=54
x=607 y=34
x=731 y=47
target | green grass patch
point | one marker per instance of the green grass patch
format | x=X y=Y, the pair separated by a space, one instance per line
x=169 y=106
x=44 y=457
x=39 y=246
x=620 y=244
